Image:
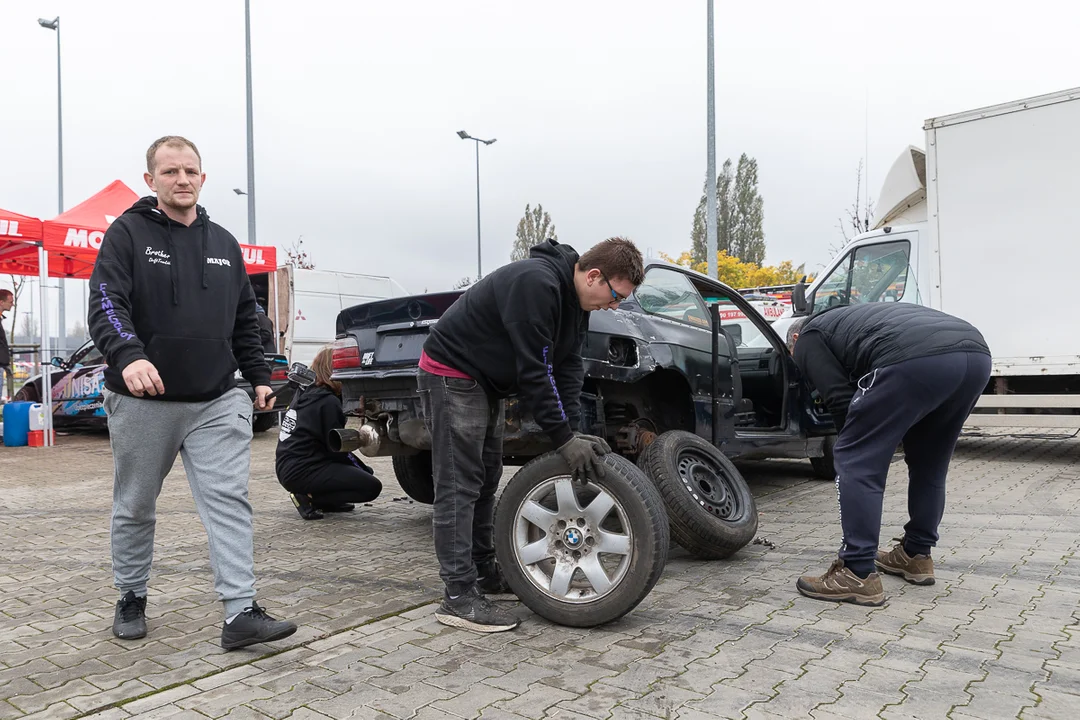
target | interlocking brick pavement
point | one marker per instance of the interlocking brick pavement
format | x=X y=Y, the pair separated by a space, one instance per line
x=997 y=636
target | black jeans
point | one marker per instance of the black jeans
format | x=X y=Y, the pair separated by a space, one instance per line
x=336 y=483
x=466 y=429
x=924 y=403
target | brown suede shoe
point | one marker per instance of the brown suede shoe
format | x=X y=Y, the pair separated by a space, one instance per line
x=841 y=585
x=918 y=570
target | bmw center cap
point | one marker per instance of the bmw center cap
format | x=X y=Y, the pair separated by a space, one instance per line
x=573 y=537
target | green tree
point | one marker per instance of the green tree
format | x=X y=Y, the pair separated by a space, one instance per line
x=748 y=214
x=534 y=228
x=698 y=246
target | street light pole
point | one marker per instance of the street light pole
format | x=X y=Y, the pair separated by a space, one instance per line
x=250 y=130
x=54 y=24
x=710 y=192
x=465 y=136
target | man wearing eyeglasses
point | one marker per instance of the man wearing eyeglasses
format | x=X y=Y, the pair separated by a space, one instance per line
x=519 y=332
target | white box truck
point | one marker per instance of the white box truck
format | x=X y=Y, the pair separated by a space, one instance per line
x=981 y=226
x=307 y=304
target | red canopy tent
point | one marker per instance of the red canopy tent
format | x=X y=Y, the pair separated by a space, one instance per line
x=74 y=237
x=19 y=238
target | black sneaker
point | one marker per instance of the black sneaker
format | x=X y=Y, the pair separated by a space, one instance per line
x=335 y=507
x=129 y=623
x=473 y=611
x=494 y=586
x=254 y=626
x=304 y=507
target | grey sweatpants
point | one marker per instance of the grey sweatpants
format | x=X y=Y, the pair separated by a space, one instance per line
x=214 y=440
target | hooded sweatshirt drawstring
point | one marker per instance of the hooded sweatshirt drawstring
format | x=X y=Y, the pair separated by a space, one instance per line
x=205 y=244
x=172 y=263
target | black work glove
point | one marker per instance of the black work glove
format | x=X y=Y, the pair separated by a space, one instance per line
x=583 y=456
x=602 y=447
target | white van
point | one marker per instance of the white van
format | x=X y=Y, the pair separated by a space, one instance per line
x=968 y=227
x=307 y=304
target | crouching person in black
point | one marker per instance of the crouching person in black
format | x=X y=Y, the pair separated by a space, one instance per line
x=318 y=479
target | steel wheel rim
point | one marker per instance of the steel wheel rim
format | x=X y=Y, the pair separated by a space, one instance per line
x=572 y=551
x=710 y=485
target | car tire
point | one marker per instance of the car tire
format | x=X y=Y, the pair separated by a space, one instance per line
x=264 y=421
x=709 y=505
x=563 y=575
x=415 y=476
x=823 y=466
x=27 y=393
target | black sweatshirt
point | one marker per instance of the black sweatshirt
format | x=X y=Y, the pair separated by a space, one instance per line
x=838 y=346
x=178 y=296
x=520 y=331
x=303 y=443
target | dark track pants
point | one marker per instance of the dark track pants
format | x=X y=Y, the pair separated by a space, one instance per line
x=923 y=403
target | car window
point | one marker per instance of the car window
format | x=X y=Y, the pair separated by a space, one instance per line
x=732 y=314
x=871 y=273
x=670 y=294
x=879 y=272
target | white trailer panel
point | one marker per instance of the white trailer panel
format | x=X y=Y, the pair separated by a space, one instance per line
x=1002 y=184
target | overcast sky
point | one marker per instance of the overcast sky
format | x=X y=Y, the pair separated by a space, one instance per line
x=599 y=108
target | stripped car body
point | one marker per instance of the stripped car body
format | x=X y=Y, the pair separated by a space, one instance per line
x=649 y=368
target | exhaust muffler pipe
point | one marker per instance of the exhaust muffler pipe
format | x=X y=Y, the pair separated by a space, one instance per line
x=366 y=440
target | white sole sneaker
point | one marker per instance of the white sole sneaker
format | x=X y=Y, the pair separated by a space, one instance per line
x=460 y=622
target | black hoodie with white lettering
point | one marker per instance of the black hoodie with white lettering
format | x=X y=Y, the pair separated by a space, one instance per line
x=178 y=296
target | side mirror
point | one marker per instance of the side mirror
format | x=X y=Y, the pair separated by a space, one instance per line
x=798 y=297
x=735 y=331
x=58 y=363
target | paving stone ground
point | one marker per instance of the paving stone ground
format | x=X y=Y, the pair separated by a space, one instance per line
x=997 y=636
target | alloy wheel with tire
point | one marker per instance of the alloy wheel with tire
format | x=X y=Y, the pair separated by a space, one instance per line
x=709 y=505
x=581 y=554
x=415 y=476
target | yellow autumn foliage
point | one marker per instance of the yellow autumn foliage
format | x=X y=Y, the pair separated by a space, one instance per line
x=739 y=274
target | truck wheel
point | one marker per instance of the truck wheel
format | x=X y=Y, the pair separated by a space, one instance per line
x=580 y=554
x=709 y=505
x=823 y=466
x=415 y=477
x=264 y=422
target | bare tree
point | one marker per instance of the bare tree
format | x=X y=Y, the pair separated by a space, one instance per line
x=28 y=328
x=463 y=283
x=298 y=257
x=18 y=282
x=858 y=218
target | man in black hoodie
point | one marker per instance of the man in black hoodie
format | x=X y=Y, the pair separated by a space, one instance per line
x=172 y=309
x=517 y=331
x=888 y=373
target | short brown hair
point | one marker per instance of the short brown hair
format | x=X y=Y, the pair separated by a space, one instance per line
x=323 y=367
x=172 y=141
x=615 y=257
x=6 y=295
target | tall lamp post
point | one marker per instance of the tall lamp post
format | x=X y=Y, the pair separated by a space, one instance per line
x=250 y=130
x=710 y=188
x=54 y=24
x=465 y=136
